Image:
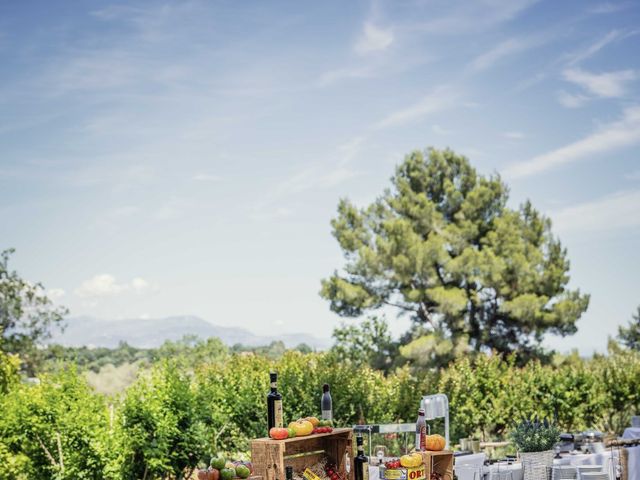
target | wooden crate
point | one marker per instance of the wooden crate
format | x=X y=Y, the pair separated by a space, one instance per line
x=440 y=462
x=270 y=457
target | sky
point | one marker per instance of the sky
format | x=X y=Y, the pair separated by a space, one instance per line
x=171 y=158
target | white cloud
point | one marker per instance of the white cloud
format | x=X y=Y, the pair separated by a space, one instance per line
x=442 y=98
x=622 y=133
x=497 y=53
x=438 y=130
x=571 y=100
x=609 y=7
x=514 y=135
x=595 y=47
x=139 y=284
x=351 y=149
x=617 y=211
x=334 y=76
x=206 y=177
x=608 y=85
x=633 y=175
x=471 y=17
x=105 y=285
x=55 y=293
x=373 y=39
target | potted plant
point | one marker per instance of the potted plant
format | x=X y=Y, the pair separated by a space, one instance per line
x=534 y=440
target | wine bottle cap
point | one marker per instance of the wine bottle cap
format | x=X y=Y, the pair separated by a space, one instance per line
x=421 y=412
x=273 y=376
x=325 y=387
x=359 y=440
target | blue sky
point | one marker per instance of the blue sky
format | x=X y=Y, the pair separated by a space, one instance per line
x=187 y=157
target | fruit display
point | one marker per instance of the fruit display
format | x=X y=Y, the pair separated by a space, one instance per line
x=411 y=460
x=280 y=433
x=301 y=428
x=435 y=442
x=393 y=463
x=220 y=469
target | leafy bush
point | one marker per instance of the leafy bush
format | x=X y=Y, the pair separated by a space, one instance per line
x=535 y=435
x=57 y=429
x=181 y=412
x=159 y=428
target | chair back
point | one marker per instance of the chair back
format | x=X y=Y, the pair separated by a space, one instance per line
x=564 y=472
x=469 y=472
x=594 y=476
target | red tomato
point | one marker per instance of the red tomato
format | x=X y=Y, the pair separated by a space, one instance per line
x=279 y=433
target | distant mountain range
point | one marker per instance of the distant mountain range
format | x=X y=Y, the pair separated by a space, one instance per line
x=150 y=333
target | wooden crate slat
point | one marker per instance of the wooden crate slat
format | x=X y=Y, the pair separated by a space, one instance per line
x=270 y=457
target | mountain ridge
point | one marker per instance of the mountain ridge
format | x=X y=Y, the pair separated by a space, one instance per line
x=152 y=332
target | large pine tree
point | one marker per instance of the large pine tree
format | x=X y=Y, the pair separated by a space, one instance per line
x=443 y=246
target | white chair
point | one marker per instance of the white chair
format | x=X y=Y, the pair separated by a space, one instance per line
x=584 y=469
x=469 y=467
x=564 y=472
x=594 y=476
x=469 y=472
x=498 y=473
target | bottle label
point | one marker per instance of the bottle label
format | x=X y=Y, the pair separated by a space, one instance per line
x=309 y=475
x=365 y=471
x=327 y=415
x=274 y=384
x=277 y=409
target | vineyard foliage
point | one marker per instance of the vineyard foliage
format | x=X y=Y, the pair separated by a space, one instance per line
x=177 y=414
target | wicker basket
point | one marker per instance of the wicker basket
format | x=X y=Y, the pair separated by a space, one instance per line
x=536 y=465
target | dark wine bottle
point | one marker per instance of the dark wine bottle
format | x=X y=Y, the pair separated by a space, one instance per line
x=361 y=462
x=289 y=473
x=326 y=404
x=274 y=404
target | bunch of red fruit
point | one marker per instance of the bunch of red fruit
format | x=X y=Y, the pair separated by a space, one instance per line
x=331 y=471
x=322 y=430
x=395 y=463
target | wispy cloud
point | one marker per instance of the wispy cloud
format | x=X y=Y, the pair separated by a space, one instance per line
x=609 y=7
x=622 y=133
x=635 y=175
x=594 y=47
x=473 y=17
x=571 y=100
x=55 y=293
x=616 y=211
x=438 y=130
x=607 y=85
x=504 y=49
x=373 y=39
x=333 y=76
x=442 y=98
x=321 y=175
x=514 y=135
x=206 y=177
x=105 y=285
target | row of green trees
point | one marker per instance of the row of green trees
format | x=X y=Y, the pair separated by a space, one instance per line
x=175 y=415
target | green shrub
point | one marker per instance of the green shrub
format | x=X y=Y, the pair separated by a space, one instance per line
x=535 y=435
x=57 y=429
